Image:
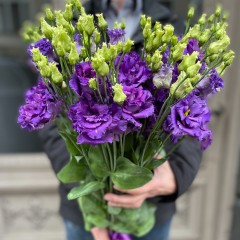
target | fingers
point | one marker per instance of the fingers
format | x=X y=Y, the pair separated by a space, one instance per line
x=125 y=201
x=100 y=233
x=136 y=191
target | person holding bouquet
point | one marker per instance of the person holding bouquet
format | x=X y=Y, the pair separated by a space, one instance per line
x=170 y=180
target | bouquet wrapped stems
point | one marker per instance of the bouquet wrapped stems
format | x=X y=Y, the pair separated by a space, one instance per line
x=116 y=109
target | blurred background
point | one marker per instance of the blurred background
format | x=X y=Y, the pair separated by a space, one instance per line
x=28 y=188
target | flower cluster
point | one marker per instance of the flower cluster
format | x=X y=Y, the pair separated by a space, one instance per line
x=39 y=109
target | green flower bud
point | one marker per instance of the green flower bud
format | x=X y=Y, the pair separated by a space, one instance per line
x=169 y=30
x=218 y=11
x=188 y=60
x=49 y=14
x=195 y=79
x=218 y=46
x=228 y=55
x=127 y=46
x=83 y=53
x=119 y=96
x=55 y=74
x=92 y=83
x=211 y=18
x=157 y=40
x=229 y=61
x=158 y=26
x=64 y=85
x=202 y=19
x=147 y=31
x=68 y=13
x=105 y=52
x=103 y=70
x=178 y=51
x=76 y=3
x=225 y=16
x=86 y=24
x=204 y=37
x=174 y=40
x=220 y=33
x=181 y=87
x=102 y=23
x=143 y=21
x=44 y=69
x=156 y=61
x=61 y=41
x=119 y=46
x=46 y=29
x=193 y=70
x=191 y=12
x=148 y=59
x=212 y=58
x=61 y=21
x=195 y=31
x=123 y=24
x=73 y=56
x=113 y=51
x=97 y=60
x=97 y=37
x=149 y=43
x=221 y=68
x=37 y=55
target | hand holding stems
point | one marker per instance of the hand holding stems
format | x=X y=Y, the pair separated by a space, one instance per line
x=163 y=183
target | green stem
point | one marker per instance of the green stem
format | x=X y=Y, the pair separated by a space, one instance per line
x=114 y=155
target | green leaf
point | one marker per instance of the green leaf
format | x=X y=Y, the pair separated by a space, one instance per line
x=85 y=189
x=155 y=163
x=74 y=171
x=129 y=176
x=97 y=220
x=114 y=210
x=70 y=141
x=97 y=162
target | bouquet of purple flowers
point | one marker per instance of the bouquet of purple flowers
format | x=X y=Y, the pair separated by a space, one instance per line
x=115 y=108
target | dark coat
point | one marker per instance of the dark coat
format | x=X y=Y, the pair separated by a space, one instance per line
x=184 y=161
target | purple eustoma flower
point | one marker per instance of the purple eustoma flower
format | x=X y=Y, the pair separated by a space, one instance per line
x=138 y=105
x=116 y=35
x=81 y=77
x=133 y=71
x=40 y=108
x=119 y=236
x=189 y=117
x=96 y=123
x=193 y=46
x=77 y=39
x=44 y=46
x=210 y=85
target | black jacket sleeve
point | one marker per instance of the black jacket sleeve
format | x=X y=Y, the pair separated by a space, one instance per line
x=55 y=148
x=185 y=162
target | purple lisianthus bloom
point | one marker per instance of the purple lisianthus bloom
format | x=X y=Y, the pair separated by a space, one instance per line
x=133 y=71
x=166 y=56
x=163 y=77
x=189 y=117
x=44 y=46
x=39 y=109
x=76 y=38
x=116 y=35
x=81 y=77
x=138 y=105
x=91 y=121
x=119 y=236
x=193 y=46
x=210 y=85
